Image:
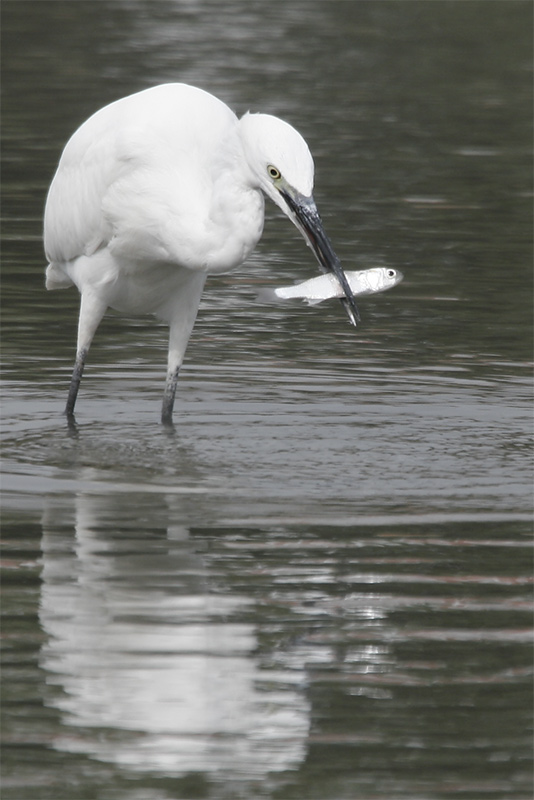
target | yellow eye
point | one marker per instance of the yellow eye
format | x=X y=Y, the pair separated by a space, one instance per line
x=274 y=173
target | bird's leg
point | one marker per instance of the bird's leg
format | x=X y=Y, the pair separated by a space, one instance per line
x=168 y=396
x=183 y=310
x=77 y=373
x=92 y=310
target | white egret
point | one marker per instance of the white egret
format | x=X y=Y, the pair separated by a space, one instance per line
x=159 y=189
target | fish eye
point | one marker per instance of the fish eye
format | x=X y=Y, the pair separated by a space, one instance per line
x=391 y=273
x=274 y=173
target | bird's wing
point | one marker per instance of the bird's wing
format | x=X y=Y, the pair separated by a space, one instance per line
x=136 y=178
x=113 y=191
x=108 y=175
x=74 y=223
x=106 y=194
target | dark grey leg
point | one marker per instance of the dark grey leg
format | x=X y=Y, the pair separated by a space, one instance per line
x=75 y=383
x=168 y=398
x=92 y=310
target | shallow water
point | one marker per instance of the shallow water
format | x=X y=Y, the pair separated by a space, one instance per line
x=319 y=584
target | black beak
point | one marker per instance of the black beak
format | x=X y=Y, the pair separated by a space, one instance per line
x=307 y=219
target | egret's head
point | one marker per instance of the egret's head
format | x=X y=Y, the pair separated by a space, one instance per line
x=277 y=155
x=281 y=164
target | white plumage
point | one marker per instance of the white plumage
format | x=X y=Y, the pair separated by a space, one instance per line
x=157 y=190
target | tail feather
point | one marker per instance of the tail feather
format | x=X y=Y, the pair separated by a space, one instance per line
x=56 y=278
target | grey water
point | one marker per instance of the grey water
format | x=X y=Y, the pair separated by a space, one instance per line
x=320 y=584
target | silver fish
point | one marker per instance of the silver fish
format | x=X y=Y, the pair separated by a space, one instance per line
x=324 y=287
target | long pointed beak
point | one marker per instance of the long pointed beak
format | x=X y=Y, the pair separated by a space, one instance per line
x=306 y=217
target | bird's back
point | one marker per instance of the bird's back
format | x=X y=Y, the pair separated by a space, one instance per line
x=139 y=179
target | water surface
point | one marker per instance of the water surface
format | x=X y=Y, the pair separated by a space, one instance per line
x=319 y=584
